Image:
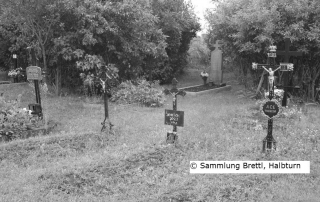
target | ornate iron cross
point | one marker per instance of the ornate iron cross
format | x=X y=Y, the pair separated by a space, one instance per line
x=269 y=142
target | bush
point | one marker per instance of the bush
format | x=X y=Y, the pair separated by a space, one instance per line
x=14 y=120
x=143 y=92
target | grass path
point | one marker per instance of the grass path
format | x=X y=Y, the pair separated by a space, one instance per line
x=78 y=163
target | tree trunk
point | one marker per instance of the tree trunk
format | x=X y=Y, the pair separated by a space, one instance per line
x=58 y=80
x=45 y=79
x=313 y=83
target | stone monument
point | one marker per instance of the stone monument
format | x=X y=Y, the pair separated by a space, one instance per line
x=215 y=73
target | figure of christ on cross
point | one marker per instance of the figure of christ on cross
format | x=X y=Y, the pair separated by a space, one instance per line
x=271 y=76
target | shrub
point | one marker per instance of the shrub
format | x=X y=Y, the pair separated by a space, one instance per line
x=146 y=93
x=13 y=119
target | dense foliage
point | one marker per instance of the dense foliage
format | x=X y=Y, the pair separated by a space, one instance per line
x=147 y=38
x=14 y=120
x=199 y=53
x=248 y=27
x=142 y=92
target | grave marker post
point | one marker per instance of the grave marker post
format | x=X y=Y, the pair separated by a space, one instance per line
x=271 y=107
x=287 y=54
x=174 y=117
x=105 y=77
x=34 y=73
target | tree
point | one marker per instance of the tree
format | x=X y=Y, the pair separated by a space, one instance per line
x=180 y=24
x=84 y=35
x=199 y=53
x=123 y=33
x=34 y=21
x=248 y=27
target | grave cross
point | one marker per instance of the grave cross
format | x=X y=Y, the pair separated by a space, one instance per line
x=172 y=137
x=287 y=54
x=270 y=67
x=271 y=108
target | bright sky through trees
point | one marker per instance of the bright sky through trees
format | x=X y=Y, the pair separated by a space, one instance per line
x=200 y=7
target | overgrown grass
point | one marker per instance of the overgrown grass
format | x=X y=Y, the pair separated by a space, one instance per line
x=78 y=163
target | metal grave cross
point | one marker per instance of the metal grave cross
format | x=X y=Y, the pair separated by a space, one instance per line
x=271 y=107
x=270 y=67
x=174 y=117
x=287 y=54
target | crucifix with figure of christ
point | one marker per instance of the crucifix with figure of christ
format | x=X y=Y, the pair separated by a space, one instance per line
x=287 y=54
x=271 y=107
x=174 y=117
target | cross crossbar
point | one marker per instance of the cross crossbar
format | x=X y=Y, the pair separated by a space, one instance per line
x=174 y=91
x=217 y=45
x=287 y=53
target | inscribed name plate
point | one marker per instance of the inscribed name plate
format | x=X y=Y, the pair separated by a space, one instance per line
x=270 y=108
x=174 y=118
x=34 y=73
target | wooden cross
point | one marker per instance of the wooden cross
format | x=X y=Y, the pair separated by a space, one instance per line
x=174 y=92
x=287 y=54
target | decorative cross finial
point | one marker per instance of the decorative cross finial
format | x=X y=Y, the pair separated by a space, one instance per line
x=174 y=83
x=217 y=46
x=273 y=48
x=174 y=91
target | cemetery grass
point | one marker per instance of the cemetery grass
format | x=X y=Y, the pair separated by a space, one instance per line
x=132 y=163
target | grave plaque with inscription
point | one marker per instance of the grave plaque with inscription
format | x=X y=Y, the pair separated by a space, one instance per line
x=174 y=118
x=34 y=73
x=270 y=108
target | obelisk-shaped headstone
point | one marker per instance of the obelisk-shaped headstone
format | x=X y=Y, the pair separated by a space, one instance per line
x=215 y=73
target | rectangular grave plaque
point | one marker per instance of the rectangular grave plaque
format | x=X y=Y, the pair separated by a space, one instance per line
x=174 y=118
x=34 y=73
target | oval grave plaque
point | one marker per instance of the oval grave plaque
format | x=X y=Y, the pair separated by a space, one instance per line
x=270 y=108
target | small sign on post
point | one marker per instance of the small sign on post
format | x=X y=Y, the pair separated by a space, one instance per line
x=34 y=73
